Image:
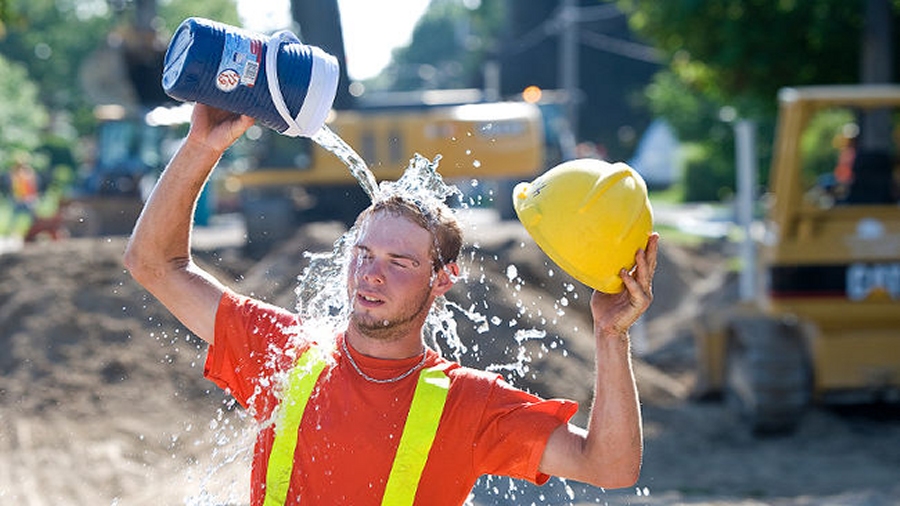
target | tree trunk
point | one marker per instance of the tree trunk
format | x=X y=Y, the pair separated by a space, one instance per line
x=320 y=25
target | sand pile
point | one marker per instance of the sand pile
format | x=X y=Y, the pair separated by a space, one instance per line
x=102 y=399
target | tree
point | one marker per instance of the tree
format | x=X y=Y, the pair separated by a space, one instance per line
x=50 y=39
x=729 y=58
x=22 y=117
x=614 y=65
x=452 y=43
x=751 y=48
x=320 y=25
x=448 y=48
x=173 y=12
x=54 y=38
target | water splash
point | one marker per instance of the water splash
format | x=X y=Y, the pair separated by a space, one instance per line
x=329 y=140
x=322 y=288
x=421 y=182
x=322 y=301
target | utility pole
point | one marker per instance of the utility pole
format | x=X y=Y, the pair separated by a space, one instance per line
x=877 y=59
x=745 y=157
x=568 y=59
x=876 y=63
x=144 y=53
x=144 y=14
x=320 y=25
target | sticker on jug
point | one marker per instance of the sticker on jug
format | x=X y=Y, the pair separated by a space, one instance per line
x=240 y=62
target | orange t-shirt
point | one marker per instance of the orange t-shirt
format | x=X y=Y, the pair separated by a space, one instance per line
x=351 y=427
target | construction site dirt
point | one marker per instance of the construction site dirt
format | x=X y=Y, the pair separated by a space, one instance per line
x=103 y=401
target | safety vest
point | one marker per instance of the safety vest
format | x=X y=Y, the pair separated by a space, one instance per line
x=415 y=442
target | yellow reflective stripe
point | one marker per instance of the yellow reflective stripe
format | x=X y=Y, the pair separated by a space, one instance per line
x=418 y=435
x=301 y=381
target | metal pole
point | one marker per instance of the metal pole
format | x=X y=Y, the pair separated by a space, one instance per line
x=491 y=71
x=745 y=138
x=876 y=66
x=568 y=59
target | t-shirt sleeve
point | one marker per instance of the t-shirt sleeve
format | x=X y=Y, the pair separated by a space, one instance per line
x=247 y=350
x=514 y=431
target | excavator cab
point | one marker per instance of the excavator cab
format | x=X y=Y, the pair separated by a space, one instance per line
x=824 y=324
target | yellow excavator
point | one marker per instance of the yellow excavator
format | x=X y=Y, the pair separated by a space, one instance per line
x=824 y=324
x=293 y=180
x=277 y=182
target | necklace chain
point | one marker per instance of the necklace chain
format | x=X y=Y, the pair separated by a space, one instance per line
x=377 y=380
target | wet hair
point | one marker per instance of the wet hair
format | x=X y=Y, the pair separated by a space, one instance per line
x=436 y=218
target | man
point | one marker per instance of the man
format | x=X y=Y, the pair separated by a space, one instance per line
x=376 y=417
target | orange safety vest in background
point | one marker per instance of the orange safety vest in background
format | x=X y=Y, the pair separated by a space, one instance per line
x=418 y=435
x=24 y=185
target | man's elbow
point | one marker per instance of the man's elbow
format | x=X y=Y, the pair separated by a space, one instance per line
x=619 y=474
x=134 y=264
x=142 y=268
x=130 y=259
x=620 y=478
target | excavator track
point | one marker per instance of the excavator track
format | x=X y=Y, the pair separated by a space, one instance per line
x=767 y=377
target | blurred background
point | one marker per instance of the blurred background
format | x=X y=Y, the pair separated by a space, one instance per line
x=751 y=121
x=660 y=86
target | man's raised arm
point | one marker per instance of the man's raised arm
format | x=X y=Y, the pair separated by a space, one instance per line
x=609 y=453
x=158 y=254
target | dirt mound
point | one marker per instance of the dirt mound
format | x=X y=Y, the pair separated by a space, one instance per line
x=101 y=391
x=71 y=320
x=102 y=399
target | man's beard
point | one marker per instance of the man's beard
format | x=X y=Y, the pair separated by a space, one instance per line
x=390 y=329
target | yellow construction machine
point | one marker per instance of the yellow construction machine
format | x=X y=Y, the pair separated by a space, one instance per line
x=823 y=325
x=293 y=180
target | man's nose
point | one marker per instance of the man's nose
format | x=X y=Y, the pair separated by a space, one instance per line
x=371 y=271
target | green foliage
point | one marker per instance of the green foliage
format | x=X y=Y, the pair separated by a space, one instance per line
x=726 y=48
x=51 y=38
x=706 y=178
x=173 y=12
x=690 y=113
x=697 y=119
x=821 y=143
x=448 y=47
x=50 y=42
x=732 y=57
x=22 y=117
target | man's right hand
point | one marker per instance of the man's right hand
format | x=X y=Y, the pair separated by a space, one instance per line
x=158 y=253
x=216 y=128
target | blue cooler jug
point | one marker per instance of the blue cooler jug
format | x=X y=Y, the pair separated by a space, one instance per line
x=282 y=83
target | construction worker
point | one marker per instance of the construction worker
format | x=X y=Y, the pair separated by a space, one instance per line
x=24 y=184
x=374 y=416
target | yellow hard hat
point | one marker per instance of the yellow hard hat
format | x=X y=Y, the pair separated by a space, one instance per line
x=588 y=216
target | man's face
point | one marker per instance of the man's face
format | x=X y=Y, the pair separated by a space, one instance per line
x=390 y=281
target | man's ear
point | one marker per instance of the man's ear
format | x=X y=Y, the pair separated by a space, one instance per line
x=445 y=278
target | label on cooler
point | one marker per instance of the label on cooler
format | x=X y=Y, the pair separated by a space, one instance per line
x=239 y=66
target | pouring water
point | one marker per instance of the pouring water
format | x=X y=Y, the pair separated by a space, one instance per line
x=323 y=305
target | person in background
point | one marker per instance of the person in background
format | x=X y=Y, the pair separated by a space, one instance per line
x=24 y=185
